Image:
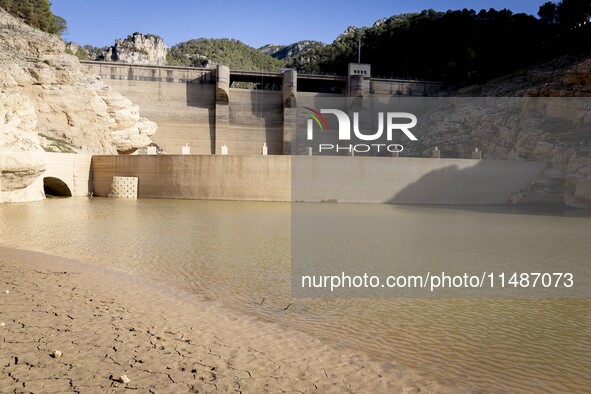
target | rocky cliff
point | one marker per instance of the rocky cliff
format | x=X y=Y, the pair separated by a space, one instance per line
x=48 y=103
x=288 y=51
x=137 y=49
x=541 y=113
x=567 y=76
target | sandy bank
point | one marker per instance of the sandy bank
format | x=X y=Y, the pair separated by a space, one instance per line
x=109 y=324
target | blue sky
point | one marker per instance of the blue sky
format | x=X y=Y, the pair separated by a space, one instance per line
x=254 y=22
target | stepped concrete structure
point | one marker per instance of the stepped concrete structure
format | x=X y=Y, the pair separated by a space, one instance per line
x=201 y=108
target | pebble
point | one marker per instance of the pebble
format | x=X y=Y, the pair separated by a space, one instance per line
x=2 y=324
x=124 y=379
x=7 y=291
x=56 y=354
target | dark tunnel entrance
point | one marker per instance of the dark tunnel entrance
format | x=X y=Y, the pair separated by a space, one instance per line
x=55 y=187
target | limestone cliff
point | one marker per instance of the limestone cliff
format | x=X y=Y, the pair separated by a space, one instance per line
x=137 y=49
x=551 y=121
x=48 y=101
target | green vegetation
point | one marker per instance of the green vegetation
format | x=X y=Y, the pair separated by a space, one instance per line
x=82 y=53
x=455 y=46
x=462 y=46
x=233 y=53
x=57 y=145
x=36 y=13
x=568 y=13
x=95 y=53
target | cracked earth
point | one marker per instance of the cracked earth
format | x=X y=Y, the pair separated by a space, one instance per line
x=108 y=324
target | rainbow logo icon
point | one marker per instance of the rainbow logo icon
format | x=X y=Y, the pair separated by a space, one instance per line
x=317 y=117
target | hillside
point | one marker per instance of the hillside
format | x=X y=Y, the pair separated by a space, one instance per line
x=286 y=52
x=534 y=114
x=565 y=76
x=270 y=49
x=48 y=103
x=205 y=52
x=455 y=46
x=447 y=46
x=36 y=13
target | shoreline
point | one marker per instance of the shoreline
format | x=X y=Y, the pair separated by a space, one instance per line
x=108 y=324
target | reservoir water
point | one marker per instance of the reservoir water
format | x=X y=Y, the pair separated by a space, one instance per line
x=238 y=253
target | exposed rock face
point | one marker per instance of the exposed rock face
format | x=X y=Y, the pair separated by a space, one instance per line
x=291 y=50
x=553 y=125
x=138 y=49
x=22 y=159
x=557 y=130
x=45 y=93
x=270 y=49
x=73 y=48
x=568 y=76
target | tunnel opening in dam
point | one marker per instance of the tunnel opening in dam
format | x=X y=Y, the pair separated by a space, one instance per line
x=55 y=187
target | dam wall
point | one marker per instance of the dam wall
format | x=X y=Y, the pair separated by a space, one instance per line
x=199 y=107
x=180 y=100
x=320 y=178
x=396 y=87
x=211 y=177
x=256 y=118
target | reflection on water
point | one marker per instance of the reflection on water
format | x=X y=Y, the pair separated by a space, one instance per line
x=239 y=253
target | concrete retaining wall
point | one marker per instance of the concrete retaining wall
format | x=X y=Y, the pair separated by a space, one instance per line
x=410 y=180
x=316 y=179
x=248 y=178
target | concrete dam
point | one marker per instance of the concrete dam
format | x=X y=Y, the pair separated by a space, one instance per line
x=201 y=108
x=293 y=178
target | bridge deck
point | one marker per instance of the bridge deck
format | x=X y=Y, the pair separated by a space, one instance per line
x=238 y=75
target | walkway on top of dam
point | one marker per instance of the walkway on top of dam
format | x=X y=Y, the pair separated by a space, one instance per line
x=184 y=74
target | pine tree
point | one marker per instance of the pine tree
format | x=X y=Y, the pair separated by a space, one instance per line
x=36 y=13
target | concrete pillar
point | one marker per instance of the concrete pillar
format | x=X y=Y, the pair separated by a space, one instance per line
x=357 y=86
x=477 y=154
x=289 y=90
x=222 y=107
